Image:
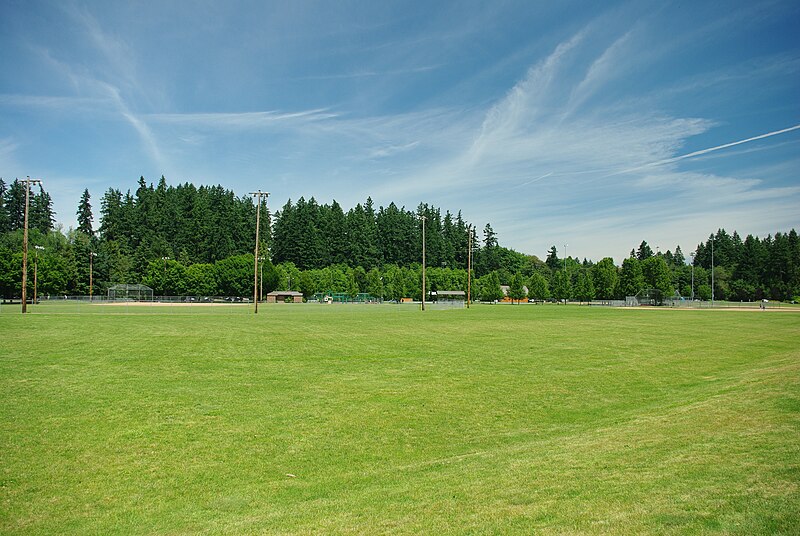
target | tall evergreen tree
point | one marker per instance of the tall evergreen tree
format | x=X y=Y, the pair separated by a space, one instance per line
x=308 y=252
x=5 y=224
x=362 y=236
x=552 y=258
x=397 y=235
x=644 y=251
x=333 y=234
x=41 y=215
x=678 y=258
x=753 y=262
x=488 y=258
x=85 y=214
x=15 y=205
x=794 y=264
x=283 y=234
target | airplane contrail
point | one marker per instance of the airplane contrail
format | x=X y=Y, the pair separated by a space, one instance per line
x=711 y=149
x=534 y=180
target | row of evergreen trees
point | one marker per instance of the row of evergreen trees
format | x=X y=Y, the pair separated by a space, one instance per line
x=12 y=208
x=187 y=240
x=310 y=235
x=195 y=225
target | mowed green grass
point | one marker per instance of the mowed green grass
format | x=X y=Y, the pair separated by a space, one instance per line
x=383 y=419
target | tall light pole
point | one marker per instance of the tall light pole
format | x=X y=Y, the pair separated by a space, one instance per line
x=565 y=272
x=470 y=233
x=258 y=195
x=692 y=255
x=164 y=286
x=36 y=275
x=92 y=255
x=28 y=183
x=712 y=270
x=422 y=217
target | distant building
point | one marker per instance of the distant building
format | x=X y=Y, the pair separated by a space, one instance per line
x=280 y=296
x=452 y=297
x=505 y=288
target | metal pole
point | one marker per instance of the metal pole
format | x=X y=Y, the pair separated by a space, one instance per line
x=469 y=265
x=36 y=275
x=164 y=285
x=692 y=277
x=92 y=255
x=257 y=195
x=565 y=269
x=712 y=270
x=423 y=262
x=28 y=183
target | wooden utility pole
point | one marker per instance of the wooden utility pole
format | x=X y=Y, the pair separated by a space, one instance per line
x=258 y=196
x=28 y=183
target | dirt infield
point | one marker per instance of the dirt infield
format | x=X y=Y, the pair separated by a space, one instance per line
x=773 y=309
x=167 y=304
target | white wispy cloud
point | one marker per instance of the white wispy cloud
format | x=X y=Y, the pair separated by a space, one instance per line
x=243 y=120
x=707 y=150
x=52 y=102
x=371 y=73
x=98 y=90
x=559 y=168
x=600 y=72
x=590 y=139
x=8 y=148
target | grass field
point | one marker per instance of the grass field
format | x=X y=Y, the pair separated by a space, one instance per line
x=384 y=419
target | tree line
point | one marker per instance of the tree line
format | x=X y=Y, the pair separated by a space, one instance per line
x=188 y=240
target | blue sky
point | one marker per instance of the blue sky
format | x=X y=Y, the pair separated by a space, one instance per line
x=592 y=124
